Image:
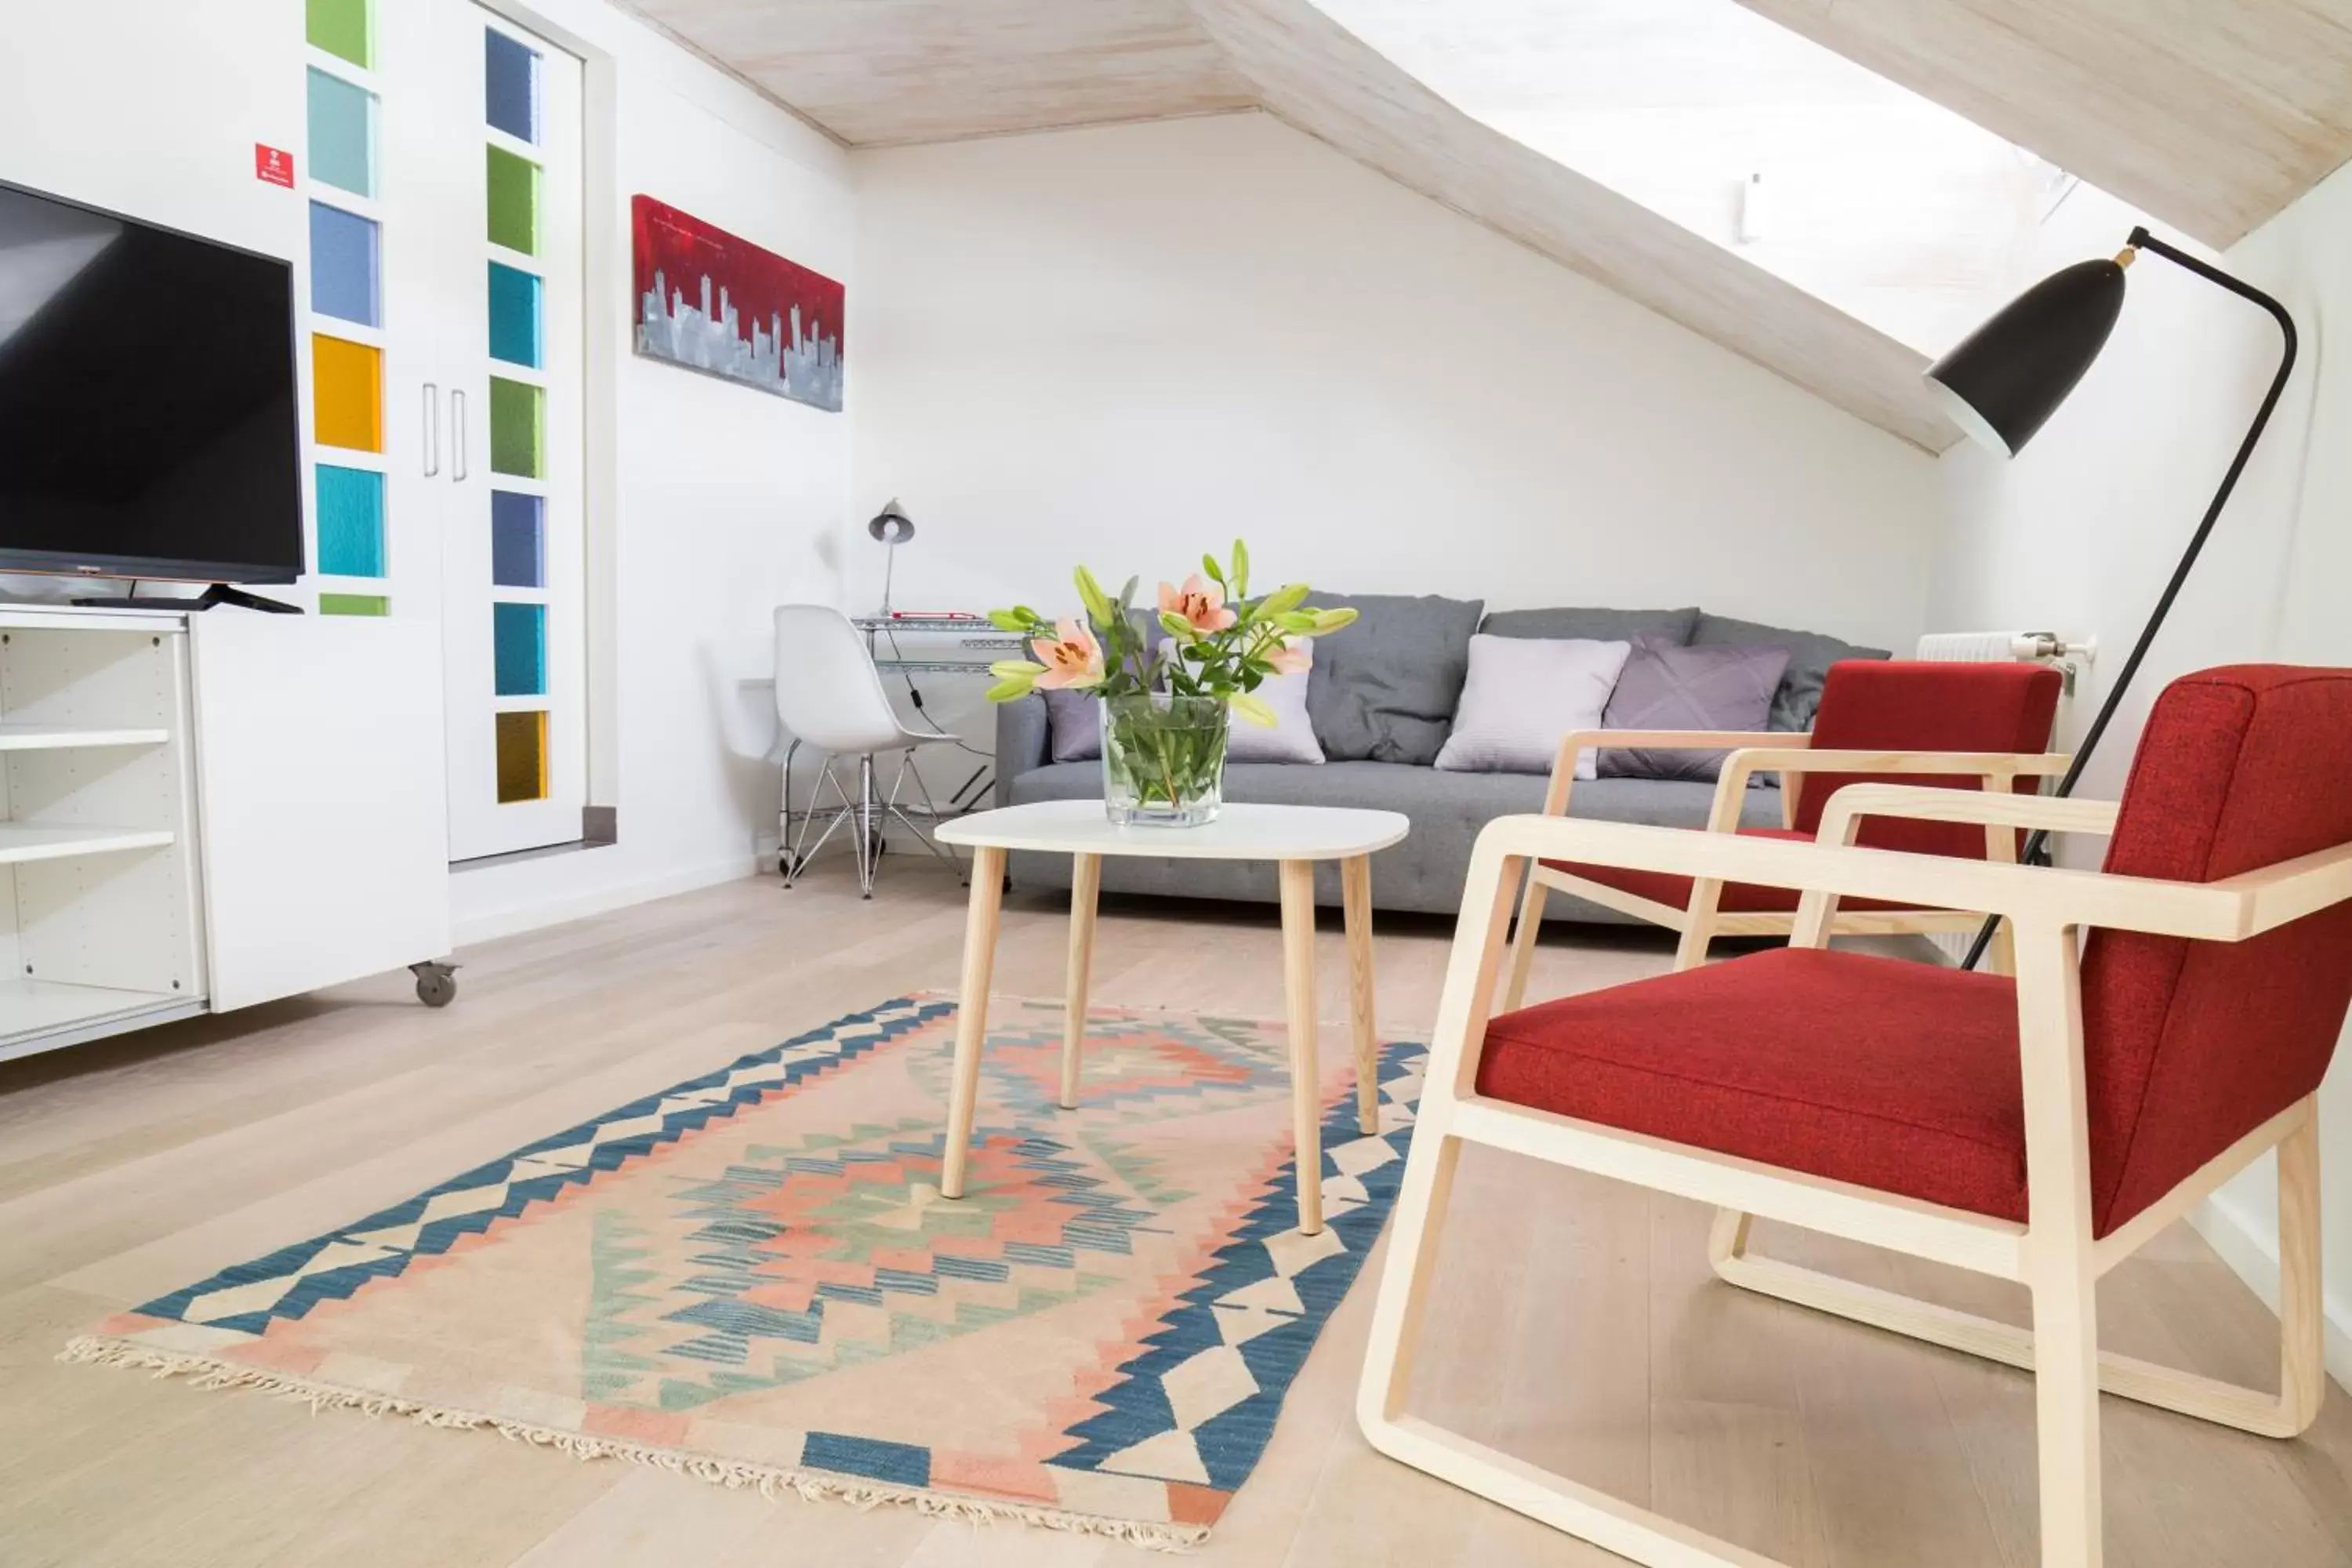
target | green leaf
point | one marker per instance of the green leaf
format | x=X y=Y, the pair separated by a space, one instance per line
x=1216 y=573
x=1126 y=596
x=1032 y=617
x=1253 y=709
x=1008 y=620
x=1241 y=567
x=1091 y=596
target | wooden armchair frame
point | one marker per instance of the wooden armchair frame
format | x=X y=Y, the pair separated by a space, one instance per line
x=1791 y=756
x=2056 y=1255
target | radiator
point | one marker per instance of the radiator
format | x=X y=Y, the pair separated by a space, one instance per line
x=1998 y=647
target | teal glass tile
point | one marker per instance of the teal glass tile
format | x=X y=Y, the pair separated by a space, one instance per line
x=518 y=649
x=510 y=85
x=517 y=539
x=350 y=522
x=346 y=269
x=343 y=133
x=514 y=316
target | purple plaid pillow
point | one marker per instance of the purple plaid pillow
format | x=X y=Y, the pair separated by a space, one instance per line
x=1667 y=686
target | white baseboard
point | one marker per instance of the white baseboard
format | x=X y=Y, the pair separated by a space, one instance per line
x=512 y=920
x=2251 y=1253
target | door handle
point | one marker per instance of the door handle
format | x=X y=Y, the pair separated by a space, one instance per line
x=431 y=429
x=458 y=435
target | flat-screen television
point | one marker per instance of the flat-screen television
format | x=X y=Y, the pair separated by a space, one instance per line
x=147 y=400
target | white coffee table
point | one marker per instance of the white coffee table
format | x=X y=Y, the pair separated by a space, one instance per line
x=1293 y=837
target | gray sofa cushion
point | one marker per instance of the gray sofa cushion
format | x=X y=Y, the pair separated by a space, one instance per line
x=1593 y=626
x=1810 y=657
x=1424 y=873
x=1663 y=687
x=1384 y=688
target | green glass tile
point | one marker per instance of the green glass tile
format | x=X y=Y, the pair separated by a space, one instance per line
x=355 y=605
x=514 y=201
x=350 y=522
x=514 y=316
x=343 y=133
x=340 y=28
x=517 y=428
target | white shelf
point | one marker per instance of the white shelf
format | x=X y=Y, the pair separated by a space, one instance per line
x=60 y=737
x=23 y=841
x=39 y=1014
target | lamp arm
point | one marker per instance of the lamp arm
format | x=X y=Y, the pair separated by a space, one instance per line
x=2143 y=240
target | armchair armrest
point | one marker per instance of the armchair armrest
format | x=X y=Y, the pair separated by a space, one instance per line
x=2212 y=912
x=1998 y=770
x=1842 y=818
x=1577 y=741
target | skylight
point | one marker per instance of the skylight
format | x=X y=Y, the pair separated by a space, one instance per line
x=1890 y=207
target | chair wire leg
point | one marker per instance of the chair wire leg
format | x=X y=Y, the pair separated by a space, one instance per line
x=922 y=835
x=865 y=855
x=803 y=849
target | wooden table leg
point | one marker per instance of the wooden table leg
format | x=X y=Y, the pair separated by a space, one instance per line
x=1355 y=901
x=972 y=1010
x=1297 y=878
x=1086 y=884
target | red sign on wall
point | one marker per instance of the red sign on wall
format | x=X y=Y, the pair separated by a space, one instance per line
x=274 y=164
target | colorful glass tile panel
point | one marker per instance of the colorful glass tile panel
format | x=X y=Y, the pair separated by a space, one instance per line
x=517 y=539
x=515 y=334
x=347 y=393
x=518 y=649
x=510 y=85
x=340 y=28
x=521 y=756
x=350 y=522
x=343 y=133
x=513 y=201
x=517 y=428
x=346 y=269
x=355 y=605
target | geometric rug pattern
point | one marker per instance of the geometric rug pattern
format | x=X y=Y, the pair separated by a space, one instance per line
x=752 y=1275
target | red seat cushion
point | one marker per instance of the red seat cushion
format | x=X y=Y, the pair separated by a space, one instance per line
x=1895 y=1076
x=1738 y=897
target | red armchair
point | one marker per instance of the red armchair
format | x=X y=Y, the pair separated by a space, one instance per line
x=2170 y=1021
x=1960 y=726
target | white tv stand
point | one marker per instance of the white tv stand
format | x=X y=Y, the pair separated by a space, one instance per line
x=199 y=813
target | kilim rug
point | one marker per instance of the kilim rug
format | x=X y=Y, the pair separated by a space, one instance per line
x=751 y=1276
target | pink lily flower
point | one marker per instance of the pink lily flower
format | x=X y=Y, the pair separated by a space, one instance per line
x=1199 y=601
x=1072 y=657
x=1292 y=656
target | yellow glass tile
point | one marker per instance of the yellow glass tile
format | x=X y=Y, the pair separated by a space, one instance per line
x=521 y=756
x=346 y=394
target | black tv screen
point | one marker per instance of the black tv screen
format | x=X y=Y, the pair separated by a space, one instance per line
x=147 y=400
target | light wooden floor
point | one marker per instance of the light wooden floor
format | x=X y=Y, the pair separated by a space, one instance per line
x=1594 y=1339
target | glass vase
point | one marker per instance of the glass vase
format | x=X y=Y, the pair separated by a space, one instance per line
x=1163 y=759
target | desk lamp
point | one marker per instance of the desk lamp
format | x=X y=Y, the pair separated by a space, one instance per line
x=892 y=528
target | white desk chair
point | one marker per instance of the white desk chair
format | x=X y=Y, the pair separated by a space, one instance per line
x=830 y=696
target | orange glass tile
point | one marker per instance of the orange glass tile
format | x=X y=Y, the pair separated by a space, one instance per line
x=346 y=394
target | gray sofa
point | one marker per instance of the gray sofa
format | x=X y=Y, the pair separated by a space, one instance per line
x=1379 y=697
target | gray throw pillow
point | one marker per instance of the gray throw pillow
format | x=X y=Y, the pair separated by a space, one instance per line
x=1663 y=687
x=1073 y=724
x=1809 y=658
x=1384 y=688
x=1593 y=626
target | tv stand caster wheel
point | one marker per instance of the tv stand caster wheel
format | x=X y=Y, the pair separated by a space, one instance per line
x=436 y=983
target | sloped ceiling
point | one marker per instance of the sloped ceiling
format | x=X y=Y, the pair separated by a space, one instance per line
x=2213 y=116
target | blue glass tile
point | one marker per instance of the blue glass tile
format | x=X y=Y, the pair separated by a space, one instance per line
x=343 y=133
x=517 y=539
x=345 y=273
x=350 y=522
x=518 y=649
x=514 y=316
x=510 y=85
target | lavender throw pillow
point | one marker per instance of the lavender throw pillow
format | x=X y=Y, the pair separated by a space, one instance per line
x=1074 y=722
x=1667 y=686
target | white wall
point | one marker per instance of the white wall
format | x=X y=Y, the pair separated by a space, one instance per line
x=1128 y=345
x=2079 y=533
x=719 y=499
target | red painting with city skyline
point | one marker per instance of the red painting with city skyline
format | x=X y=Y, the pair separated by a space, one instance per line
x=711 y=302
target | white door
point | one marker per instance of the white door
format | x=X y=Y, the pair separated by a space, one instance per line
x=484 y=248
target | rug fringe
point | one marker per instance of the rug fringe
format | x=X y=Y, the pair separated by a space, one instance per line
x=207 y=1372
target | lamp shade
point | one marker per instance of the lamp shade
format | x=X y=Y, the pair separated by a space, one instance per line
x=891 y=525
x=2003 y=380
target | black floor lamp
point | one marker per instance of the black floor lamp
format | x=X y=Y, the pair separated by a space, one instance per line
x=2010 y=374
